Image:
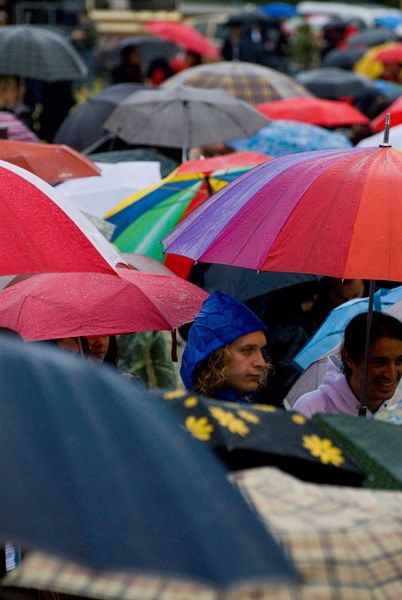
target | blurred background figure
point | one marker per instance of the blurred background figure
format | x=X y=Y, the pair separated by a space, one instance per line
x=84 y=38
x=129 y=68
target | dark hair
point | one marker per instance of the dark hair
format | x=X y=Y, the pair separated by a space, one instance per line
x=382 y=326
x=112 y=353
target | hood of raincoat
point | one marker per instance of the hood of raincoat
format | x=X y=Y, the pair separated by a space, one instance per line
x=220 y=321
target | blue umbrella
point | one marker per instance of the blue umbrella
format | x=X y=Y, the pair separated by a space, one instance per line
x=330 y=334
x=280 y=138
x=93 y=469
x=390 y=21
x=244 y=284
x=278 y=10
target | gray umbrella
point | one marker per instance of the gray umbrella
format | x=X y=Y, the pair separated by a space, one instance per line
x=333 y=83
x=183 y=117
x=372 y=37
x=38 y=53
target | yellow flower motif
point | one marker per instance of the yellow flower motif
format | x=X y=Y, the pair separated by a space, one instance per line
x=229 y=420
x=299 y=419
x=190 y=402
x=248 y=416
x=199 y=428
x=323 y=449
x=172 y=395
x=265 y=407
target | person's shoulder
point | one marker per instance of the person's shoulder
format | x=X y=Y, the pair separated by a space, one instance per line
x=310 y=403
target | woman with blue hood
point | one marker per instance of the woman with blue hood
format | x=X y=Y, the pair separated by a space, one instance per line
x=224 y=355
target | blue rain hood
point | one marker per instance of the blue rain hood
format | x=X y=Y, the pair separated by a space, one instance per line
x=220 y=321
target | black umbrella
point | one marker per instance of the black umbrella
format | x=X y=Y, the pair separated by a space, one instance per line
x=82 y=128
x=371 y=37
x=343 y=59
x=246 y=436
x=39 y=53
x=333 y=83
x=183 y=117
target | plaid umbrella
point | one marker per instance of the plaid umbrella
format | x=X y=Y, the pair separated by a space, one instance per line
x=182 y=117
x=246 y=436
x=374 y=445
x=39 y=53
x=246 y=81
x=83 y=126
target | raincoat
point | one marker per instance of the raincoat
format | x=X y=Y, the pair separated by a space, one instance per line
x=334 y=396
x=220 y=321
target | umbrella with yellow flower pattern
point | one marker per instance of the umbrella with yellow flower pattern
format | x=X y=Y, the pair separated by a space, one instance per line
x=246 y=436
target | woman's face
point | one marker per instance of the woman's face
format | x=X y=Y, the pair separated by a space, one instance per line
x=98 y=347
x=70 y=344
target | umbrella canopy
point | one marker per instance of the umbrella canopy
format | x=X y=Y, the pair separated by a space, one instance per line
x=60 y=305
x=244 y=284
x=183 y=117
x=252 y=436
x=167 y=165
x=371 y=37
x=246 y=81
x=94 y=478
x=183 y=36
x=377 y=448
x=43 y=232
x=369 y=64
x=330 y=333
x=39 y=53
x=51 y=162
x=329 y=213
x=316 y=111
x=332 y=83
x=97 y=195
x=395 y=112
x=391 y=55
x=345 y=542
x=143 y=219
x=278 y=10
x=83 y=126
x=342 y=59
x=280 y=138
x=16 y=129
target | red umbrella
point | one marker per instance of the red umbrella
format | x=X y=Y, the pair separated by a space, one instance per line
x=41 y=232
x=51 y=162
x=395 y=111
x=390 y=55
x=223 y=161
x=316 y=111
x=59 y=305
x=183 y=36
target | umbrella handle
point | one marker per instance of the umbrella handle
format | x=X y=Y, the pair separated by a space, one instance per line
x=362 y=404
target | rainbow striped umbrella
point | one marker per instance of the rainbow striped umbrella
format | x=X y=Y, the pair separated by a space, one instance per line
x=144 y=218
x=334 y=212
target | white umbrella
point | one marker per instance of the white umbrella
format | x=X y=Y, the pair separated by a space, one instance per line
x=395 y=138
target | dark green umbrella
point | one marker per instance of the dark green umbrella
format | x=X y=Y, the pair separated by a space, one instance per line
x=374 y=445
x=246 y=436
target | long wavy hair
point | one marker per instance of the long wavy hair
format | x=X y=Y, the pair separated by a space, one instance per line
x=210 y=373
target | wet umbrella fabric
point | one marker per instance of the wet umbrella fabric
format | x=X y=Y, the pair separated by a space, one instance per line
x=182 y=118
x=39 y=53
x=342 y=59
x=283 y=137
x=83 y=126
x=247 y=436
x=332 y=83
x=371 y=37
x=51 y=162
x=84 y=466
x=41 y=231
x=325 y=212
x=184 y=36
x=246 y=81
x=376 y=446
x=60 y=305
x=395 y=112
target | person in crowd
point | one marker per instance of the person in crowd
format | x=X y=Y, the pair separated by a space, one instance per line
x=129 y=68
x=103 y=349
x=12 y=91
x=333 y=292
x=224 y=355
x=158 y=71
x=340 y=392
x=305 y=48
x=239 y=45
x=84 y=38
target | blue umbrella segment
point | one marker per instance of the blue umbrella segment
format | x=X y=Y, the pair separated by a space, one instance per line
x=281 y=137
x=95 y=471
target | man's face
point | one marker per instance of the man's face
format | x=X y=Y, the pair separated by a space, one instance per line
x=98 y=347
x=384 y=372
x=246 y=364
x=344 y=291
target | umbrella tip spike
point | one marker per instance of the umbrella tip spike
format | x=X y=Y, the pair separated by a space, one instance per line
x=385 y=143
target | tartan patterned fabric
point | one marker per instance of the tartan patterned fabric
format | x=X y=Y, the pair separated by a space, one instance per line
x=246 y=81
x=346 y=543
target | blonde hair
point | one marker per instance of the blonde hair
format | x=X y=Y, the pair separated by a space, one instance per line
x=210 y=373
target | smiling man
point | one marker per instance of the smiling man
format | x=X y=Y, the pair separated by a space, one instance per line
x=224 y=356
x=340 y=391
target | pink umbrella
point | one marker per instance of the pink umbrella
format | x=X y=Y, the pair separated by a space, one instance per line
x=184 y=36
x=41 y=232
x=59 y=305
